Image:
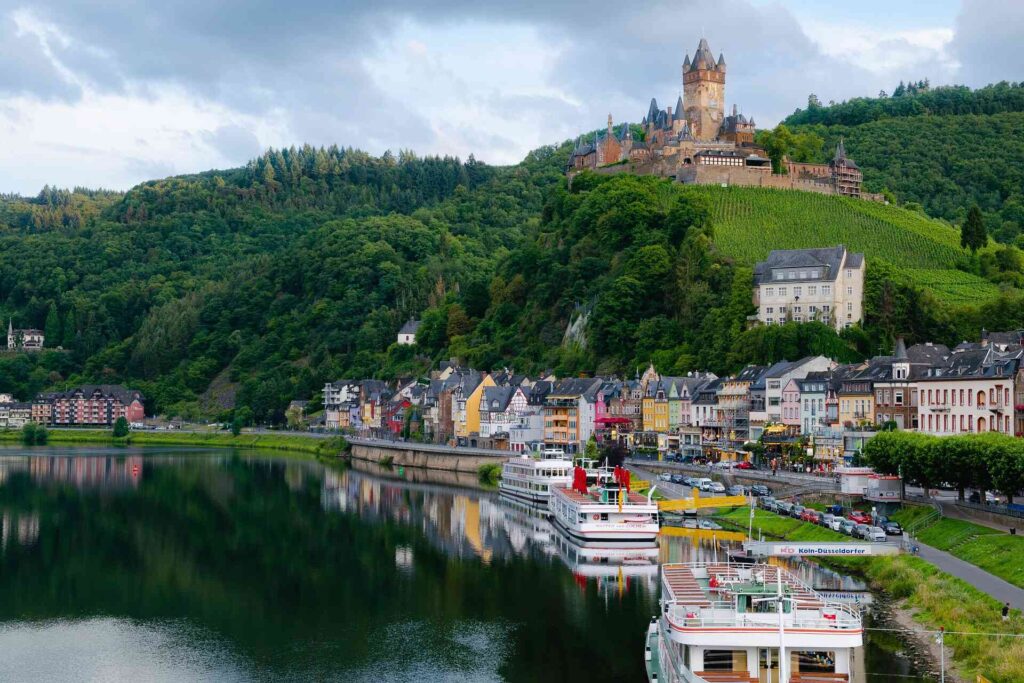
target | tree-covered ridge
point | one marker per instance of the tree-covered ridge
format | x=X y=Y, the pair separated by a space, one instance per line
x=269 y=281
x=913 y=99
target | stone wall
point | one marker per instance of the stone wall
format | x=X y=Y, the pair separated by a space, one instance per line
x=429 y=456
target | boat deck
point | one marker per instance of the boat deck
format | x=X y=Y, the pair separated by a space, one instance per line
x=591 y=499
x=692 y=586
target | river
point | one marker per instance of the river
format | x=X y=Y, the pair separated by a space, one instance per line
x=171 y=564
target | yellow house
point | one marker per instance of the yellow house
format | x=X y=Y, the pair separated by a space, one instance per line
x=856 y=402
x=467 y=419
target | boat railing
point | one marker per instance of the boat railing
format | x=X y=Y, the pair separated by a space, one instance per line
x=680 y=672
x=724 y=614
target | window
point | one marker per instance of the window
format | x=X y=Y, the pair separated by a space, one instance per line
x=849 y=306
x=782 y=291
x=803 y=274
x=826 y=289
x=849 y=291
x=815 y=274
x=770 y=310
x=825 y=308
x=792 y=275
x=798 y=291
x=849 y=273
x=770 y=321
x=897 y=397
x=770 y=291
x=798 y=318
x=812 y=290
x=797 y=309
x=779 y=275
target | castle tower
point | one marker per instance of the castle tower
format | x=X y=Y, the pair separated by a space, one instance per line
x=704 y=92
x=12 y=343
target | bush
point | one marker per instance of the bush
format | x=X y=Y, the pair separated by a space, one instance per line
x=120 y=428
x=33 y=434
x=489 y=473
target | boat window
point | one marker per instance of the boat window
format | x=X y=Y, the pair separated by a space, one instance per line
x=604 y=516
x=725 y=660
x=816 y=661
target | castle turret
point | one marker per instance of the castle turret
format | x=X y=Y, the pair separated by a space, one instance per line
x=704 y=92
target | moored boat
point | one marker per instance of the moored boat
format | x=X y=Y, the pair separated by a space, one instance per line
x=731 y=623
x=607 y=511
x=531 y=480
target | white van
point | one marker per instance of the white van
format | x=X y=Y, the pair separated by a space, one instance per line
x=704 y=484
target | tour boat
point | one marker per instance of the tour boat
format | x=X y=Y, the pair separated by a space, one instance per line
x=728 y=623
x=531 y=480
x=607 y=511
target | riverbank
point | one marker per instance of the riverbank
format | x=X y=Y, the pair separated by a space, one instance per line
x=925 y=597
x=278 y=442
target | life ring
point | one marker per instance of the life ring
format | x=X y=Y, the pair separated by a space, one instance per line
x=595 y=517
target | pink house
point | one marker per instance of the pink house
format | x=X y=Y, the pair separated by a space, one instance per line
x=791 y=404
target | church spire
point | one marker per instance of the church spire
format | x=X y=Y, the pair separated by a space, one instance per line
x=840 y=151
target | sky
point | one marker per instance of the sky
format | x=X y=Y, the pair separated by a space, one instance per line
x=110 y=94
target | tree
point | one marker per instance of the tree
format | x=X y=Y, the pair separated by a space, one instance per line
x=236 y=426
x=120 y=428
x=973 y=235
x=52 y=327
x=590 y=450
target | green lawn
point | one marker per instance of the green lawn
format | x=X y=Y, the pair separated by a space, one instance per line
x=994 y=551
x=786 y=528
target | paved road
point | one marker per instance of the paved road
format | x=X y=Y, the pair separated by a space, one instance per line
x=977 y=577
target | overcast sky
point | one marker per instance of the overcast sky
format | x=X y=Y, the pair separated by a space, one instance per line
x=108 y=94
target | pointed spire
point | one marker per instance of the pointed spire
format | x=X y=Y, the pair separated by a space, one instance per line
x=840 y=151
x=901 y=349
x=679 y=107
x=734 y=110
x=721 y=62
x=686 y=63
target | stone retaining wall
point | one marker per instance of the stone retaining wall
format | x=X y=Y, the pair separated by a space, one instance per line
x=429 y=456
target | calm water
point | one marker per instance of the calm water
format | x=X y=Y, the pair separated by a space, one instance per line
x=199 y=565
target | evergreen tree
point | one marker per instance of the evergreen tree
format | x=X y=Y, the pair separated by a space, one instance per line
x=68 y=338
x=120 y=428
x=52 y=327
x=973 y=235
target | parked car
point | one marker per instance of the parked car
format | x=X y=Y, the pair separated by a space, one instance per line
x=768 y=503
x=837 y=524
x=826 y=520
x=744 y=465
x=990 y=498
x=859 y=517
x=704 y=484
x=876 y=535
x=677 y=479
x=783 y=508
x=725 y=464
x=862 y=531
x=892 y=528
x=691 y=481
x=847 y=527
x=814 y=517
x=760 y=490
x=717 y=487
x=736 y=490
x=835 y=509
x=797 y=511
x=665 y=476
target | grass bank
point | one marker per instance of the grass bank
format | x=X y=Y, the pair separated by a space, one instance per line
x=997 y=552
x=933 y=598
x=278 y=442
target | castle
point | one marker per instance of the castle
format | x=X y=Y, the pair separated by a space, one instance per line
x=696 y=142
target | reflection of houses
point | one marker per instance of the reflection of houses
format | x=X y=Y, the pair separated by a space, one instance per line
x=88 y=472
x=18 y=527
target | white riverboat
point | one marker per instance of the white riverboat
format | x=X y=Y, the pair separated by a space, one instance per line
x=729 y=623
x=607 y=511
x=531 y=479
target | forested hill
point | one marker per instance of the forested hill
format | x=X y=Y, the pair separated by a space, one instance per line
x=944 y=148
x=254 y=283
x=251 y=287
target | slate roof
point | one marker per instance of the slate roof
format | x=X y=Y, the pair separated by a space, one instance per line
x=410 y=327
x=496 y=399
x=829 y=260
x=114 y=391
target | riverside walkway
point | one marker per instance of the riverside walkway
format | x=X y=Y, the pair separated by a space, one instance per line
x=999 y=589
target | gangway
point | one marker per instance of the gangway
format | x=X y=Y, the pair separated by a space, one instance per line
x=696 y=502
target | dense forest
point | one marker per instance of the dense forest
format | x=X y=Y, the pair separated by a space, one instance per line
x=942 y=148
x=253 y=286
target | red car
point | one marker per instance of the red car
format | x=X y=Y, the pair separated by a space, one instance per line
x=859 y=517
x=744 y=465
x=809 y=515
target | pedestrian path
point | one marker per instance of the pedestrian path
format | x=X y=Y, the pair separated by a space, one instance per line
x=999 y=589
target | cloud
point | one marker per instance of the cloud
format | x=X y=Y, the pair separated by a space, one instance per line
x=214 y=82
x=987 y=41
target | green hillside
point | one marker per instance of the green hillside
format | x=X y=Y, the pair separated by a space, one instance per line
x=750 y=222
x=944 y=148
